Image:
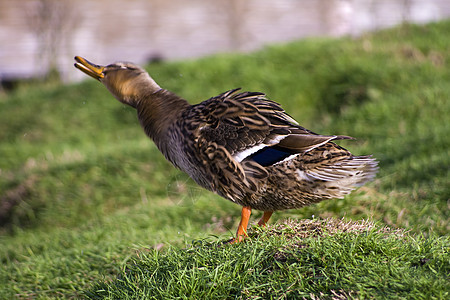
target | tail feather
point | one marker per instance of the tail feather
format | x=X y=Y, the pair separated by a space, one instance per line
x=341 y=177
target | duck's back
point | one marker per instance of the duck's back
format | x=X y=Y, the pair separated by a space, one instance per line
x=247 y=149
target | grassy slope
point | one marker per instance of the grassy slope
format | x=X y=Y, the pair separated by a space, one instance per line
x=81 y=188
x=292 y=260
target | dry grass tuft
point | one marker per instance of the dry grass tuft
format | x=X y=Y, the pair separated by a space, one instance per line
x=330 y=226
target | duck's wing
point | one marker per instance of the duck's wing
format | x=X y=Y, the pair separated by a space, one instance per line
x=238 y=134
x=245 y=123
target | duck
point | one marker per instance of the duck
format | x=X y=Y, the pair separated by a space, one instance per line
x=240 y=145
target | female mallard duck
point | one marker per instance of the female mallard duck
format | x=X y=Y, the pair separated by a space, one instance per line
x=239 y=145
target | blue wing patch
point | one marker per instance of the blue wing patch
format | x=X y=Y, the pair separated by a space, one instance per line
x=270 y=155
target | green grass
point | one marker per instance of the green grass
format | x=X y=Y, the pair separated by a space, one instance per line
x=292 y=260
x=85 y=196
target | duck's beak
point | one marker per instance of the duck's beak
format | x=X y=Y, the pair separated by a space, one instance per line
x=93 y=70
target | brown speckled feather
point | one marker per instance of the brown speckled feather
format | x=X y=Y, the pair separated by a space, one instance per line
x=223 y=127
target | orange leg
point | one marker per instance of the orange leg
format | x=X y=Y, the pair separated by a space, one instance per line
x=242 y=228
x=266 y=216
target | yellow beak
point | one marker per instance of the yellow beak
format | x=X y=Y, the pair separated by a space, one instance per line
x=93 y=70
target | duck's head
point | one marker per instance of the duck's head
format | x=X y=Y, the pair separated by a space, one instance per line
x=126 y=81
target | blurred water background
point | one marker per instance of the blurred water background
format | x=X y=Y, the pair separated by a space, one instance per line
x=42 y=36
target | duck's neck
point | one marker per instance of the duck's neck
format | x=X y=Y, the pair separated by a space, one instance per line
x=157 y=112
